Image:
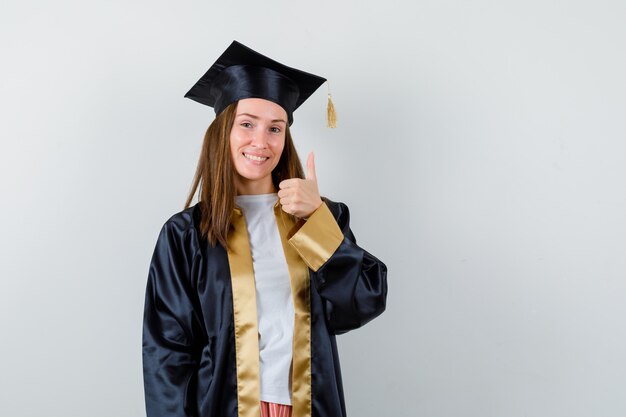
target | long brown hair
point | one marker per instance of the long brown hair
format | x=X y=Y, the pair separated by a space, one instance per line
x=215 y=177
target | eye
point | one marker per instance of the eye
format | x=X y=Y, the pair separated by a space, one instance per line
x=246 y=124
x=275 y=129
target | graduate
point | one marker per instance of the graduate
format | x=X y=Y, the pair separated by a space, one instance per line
x=248 y=287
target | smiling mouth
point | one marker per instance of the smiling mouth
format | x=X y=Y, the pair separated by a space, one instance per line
x=255 y=158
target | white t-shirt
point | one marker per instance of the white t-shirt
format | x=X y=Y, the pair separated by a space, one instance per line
x=274 y=301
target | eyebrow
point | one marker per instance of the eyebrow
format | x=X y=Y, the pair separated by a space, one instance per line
x=252 y=116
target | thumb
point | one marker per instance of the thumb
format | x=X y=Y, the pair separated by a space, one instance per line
x=310 y=167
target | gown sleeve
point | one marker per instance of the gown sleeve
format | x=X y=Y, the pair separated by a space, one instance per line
x=351 y=281
x=170 y=326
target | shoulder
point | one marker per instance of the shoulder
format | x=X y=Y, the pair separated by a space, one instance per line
x=339 y=210
x=182 y=228
x=184 y=219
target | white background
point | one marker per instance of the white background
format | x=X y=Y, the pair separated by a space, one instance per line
x=481 y=149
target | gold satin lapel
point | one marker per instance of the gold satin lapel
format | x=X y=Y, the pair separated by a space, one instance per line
x=300 y=289
x=245 y=319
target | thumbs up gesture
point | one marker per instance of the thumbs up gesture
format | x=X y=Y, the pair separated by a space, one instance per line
x=301 y=197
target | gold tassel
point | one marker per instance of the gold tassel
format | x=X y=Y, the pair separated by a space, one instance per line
x=331 y=116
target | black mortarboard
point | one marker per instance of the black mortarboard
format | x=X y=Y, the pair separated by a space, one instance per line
x=242 y=73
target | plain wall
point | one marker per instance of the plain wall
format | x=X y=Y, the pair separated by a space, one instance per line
x=480 y=148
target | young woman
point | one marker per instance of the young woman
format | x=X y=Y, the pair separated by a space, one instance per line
x=248 y=288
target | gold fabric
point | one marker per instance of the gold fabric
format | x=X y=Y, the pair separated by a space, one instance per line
x=306 y=245
x=245 y=319
x=318 y=238
x=300 y=289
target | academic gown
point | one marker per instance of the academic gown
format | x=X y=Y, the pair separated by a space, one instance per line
x=200 y=335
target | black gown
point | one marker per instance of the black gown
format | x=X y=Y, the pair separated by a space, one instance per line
x=199 y=327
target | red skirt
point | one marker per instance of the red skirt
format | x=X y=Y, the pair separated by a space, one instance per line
x=275 y=410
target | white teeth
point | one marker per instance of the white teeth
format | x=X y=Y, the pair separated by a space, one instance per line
x=255 y=158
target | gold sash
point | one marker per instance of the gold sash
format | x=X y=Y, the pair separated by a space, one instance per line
x=246 y=325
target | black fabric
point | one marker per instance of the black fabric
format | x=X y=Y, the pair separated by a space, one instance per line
x=241 y=72
x=188 y=333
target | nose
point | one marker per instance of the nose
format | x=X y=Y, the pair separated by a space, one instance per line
x=260 y=139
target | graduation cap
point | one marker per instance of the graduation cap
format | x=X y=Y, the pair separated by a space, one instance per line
x=241 y=72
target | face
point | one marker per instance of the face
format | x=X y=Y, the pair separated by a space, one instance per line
x=257 y=139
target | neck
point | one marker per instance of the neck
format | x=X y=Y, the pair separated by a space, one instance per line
x=255 y=187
